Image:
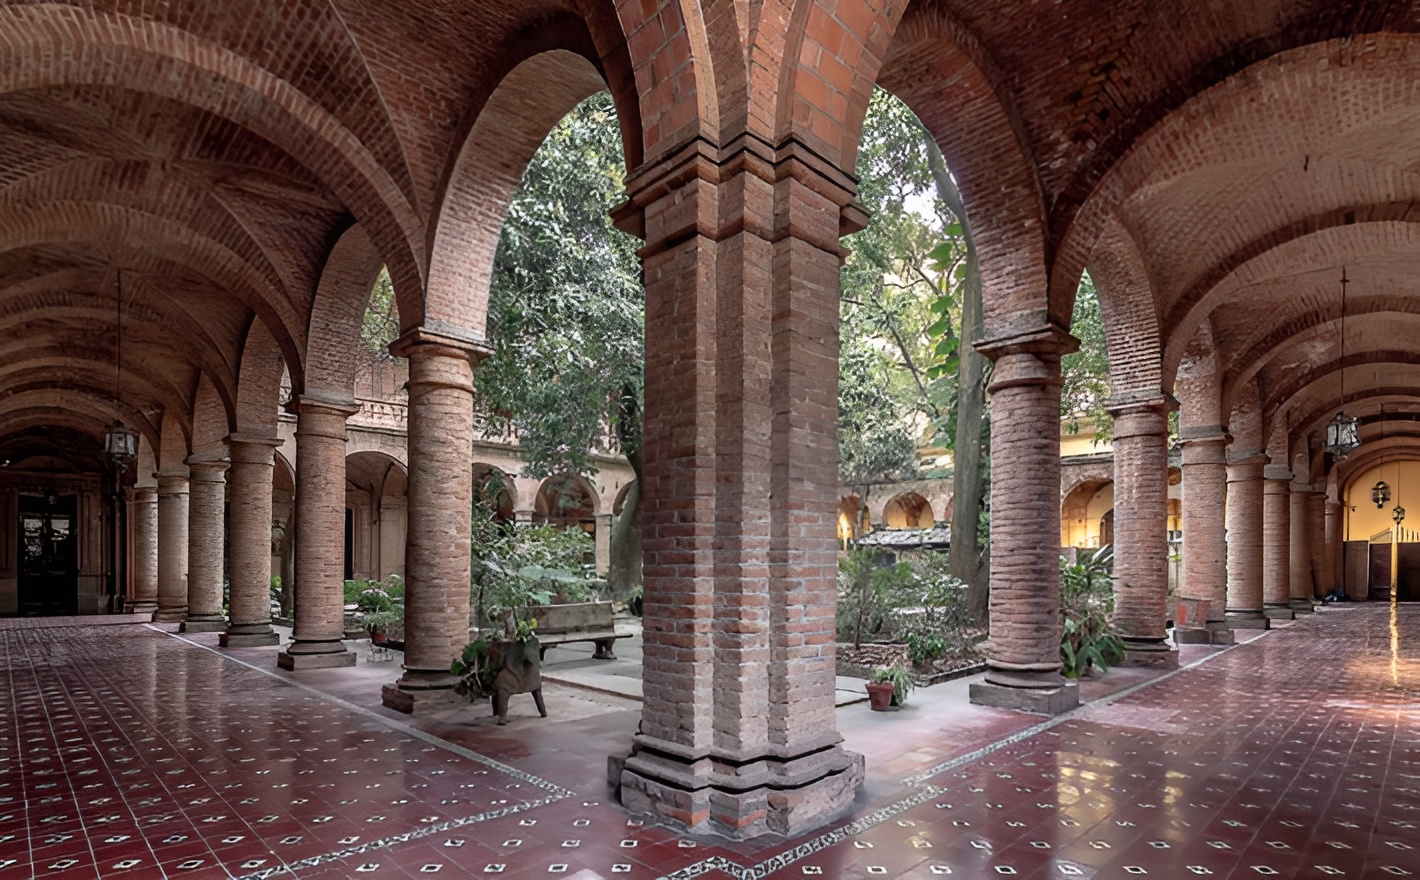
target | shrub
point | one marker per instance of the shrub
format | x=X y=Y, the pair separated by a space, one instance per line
x=374 y=600
x=1086 y=602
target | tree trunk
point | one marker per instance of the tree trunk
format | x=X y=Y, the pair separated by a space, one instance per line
x=624 y=568
x=968 y=559
x=288 y=568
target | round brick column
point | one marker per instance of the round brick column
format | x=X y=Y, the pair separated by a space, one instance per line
x=436 y=582
x=1244 y=608
x=1321 y=552
x=145 y=550
x=1299 y=562
x=317 y=641
x=206 y=504
x=1277 y=543
x=1205 y=489
x=249 y=553
x=1141 y=577
x=172 y=546
x=1333 y=574
x=1023 y=667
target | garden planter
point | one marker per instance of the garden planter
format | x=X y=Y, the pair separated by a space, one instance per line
x=880 y=695
x=519 y=672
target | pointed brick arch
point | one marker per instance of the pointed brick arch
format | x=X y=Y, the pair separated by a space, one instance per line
x=259 y=383
x=342 y=297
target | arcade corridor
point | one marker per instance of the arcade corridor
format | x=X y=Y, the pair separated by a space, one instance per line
x=126 y=750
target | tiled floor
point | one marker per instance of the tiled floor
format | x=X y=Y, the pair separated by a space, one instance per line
x=127 y=752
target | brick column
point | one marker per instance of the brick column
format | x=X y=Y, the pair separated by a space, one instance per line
x=1333 y=575
x=738 y=734
x=436 y=579
x=1316 y=528
x=1299 y=553
x=1023 y=667
x=1141 y=574
x=1244 y=608
x=1205 y=490
x=144 y=517
x=172 y=546
x=1276 y=543
x=249 y=551
x=207 y=502
x=317 y=641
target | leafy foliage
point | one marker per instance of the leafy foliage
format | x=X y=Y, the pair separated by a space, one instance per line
x=566 y=307
x=380 y=325
x=916 y=601
x=1086 y=602
x=517 y=568
x=1085 y=391
x=868 y=591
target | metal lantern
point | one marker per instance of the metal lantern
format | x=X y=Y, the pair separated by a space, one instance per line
x=1398 y=515
x=121 y=445
x=1380 y=494
x=1343 y=435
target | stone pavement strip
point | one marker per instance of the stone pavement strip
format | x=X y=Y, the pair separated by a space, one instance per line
x=126 y=752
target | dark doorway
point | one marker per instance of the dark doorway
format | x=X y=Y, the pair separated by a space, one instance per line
x=49 y=558
x=349 y=544
x=1407 y=581
x=1380 y=569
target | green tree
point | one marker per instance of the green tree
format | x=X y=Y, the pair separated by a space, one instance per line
x=566 y=316
x=1085 y=389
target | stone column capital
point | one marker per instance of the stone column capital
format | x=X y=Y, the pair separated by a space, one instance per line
x=1141 y=417
x=320 y=416
x=1027 y=359
x=171 y=482
x=1242 y=469
x=145 y=494
x=1276 y=473
x=322 y=402
x=438 y=339
x=250 y=449
x=208 y=470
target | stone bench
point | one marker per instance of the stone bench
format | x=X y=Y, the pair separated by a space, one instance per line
x=579 y=622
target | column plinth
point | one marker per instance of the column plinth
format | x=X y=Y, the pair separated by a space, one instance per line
x=1023 y=667
x=317 y=641
x=1204 y=532
x=436 y=585
x=145 y=550
x=172 y=546
x=249 y=530
x=1244 y=516
x=207 y=492
x=1277 y=543
x=1141 y=578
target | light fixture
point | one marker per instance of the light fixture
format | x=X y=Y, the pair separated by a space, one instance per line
x=1380 y=494
x=1398 y=515
x=1343 y=434
x=121 y=441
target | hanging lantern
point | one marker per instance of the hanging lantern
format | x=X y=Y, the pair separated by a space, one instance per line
x=121 y=445
x=1398 y=515
x=1343 y=435
x=1380 y=494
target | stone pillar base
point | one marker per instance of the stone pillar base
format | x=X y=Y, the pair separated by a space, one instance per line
x=1040 y=701
x=417 y=701
x=738 y=800
x=169 y=615
x=249 y=635
x=1247 y=620
x=142 y=606
x=200 y=625
x=1152 y=654
x=1192 y=635
x=331 y=660
x=1278 y=612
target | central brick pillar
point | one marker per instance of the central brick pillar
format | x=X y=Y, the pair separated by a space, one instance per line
x=738 y=734
x=1141 y=576
x=1276 y=543
x=1205 y=490
x=206 y=505
x=436 y=584
x=1023 y=667
x=1299 y=554
x=1333 y=573
x=172 y=546
x=1244 y=610
x=249 y=553
x=145 y=550
x=317 y=642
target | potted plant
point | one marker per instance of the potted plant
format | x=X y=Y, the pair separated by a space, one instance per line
x=889 y=687
x=382 y=626
x=503 y=667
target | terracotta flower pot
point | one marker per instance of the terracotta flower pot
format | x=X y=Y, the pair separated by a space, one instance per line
x=880 y=695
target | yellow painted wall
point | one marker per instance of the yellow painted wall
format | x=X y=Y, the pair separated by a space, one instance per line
x=1077 y=532
x=1403 y=478
x=1082 y=440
